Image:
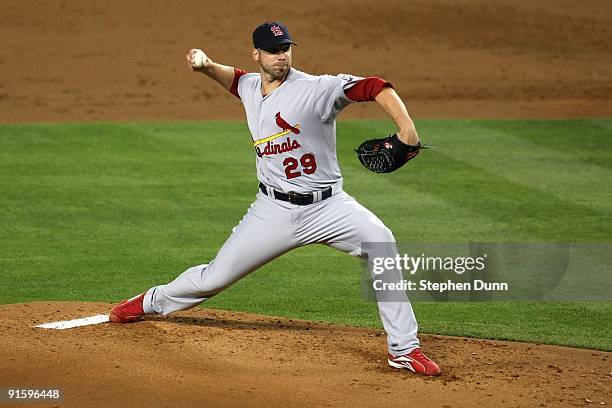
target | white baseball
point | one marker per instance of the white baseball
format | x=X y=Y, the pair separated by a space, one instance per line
x=199 y=59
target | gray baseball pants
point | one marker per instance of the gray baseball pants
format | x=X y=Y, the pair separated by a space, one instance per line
x=272 y=227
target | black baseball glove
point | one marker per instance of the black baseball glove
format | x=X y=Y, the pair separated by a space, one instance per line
x=386 y=155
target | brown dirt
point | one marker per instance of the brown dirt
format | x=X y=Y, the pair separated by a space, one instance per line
x=72 y=60
x=216 y=358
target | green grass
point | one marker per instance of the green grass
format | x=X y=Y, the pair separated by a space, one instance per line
x=97 y=212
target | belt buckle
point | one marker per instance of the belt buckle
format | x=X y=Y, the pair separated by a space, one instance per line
x=293 y=196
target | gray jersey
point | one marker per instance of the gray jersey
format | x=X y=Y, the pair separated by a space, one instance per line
x=294 y=128
x=294 y=133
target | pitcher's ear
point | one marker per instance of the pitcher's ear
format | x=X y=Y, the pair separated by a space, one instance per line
x=256 y=54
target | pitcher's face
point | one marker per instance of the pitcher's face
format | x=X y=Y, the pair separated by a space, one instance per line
x=275 y=62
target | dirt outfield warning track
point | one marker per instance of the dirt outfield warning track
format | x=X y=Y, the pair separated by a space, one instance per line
x=72 y=60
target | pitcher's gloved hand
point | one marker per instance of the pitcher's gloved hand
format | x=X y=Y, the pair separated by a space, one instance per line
x=386 y=155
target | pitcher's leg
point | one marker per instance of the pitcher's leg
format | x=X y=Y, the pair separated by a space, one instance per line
x=347 y=225
x=264 y=233
x=394 y=308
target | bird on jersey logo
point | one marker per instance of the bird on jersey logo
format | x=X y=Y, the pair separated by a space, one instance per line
x=272 y=148
x=282 y=123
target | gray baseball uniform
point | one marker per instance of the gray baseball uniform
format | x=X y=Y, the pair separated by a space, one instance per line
x=294 y=134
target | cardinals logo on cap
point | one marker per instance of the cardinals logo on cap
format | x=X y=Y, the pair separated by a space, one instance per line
x=276 y=30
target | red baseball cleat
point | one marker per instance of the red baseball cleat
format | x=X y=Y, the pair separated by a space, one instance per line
x=128 y=311
x=415 y=361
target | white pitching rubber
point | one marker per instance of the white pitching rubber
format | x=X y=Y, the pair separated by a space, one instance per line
x=69 y=324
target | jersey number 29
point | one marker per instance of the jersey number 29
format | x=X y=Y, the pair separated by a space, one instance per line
x=308 y=162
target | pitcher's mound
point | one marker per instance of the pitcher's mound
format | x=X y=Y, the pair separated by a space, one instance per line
x=212 y=358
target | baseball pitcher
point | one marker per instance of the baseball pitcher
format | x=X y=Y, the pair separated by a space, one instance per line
x=291 y=116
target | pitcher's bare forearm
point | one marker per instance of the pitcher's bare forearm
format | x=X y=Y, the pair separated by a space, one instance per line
x=391 y=103
x=223 y=74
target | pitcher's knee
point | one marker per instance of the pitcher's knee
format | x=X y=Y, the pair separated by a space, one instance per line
x=380 y=233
